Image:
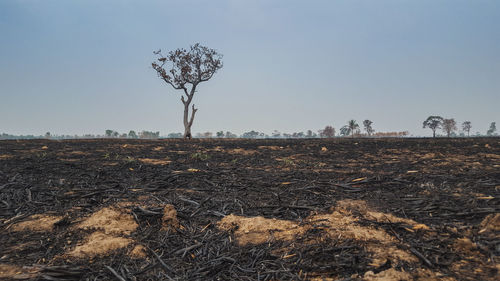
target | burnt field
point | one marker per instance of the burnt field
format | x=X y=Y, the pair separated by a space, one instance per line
x=342 y=209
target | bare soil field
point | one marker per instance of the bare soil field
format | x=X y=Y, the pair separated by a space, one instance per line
x=341 y=209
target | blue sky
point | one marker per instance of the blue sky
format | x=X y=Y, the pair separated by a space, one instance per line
x=77 y=67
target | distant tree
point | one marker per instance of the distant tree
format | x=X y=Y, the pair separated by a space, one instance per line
x=132 y=134
x=186 y=68
x=149 y=135
x=298 y=135
x=287 y=135
x=220 y=134
x=115 y=134
x=466 y=126
x=434 y=123
x=252 y=135
x=353 y=127
x=309 y=134
x=449 y=126
x=123 y=136
x=230 y=135
x=327 y=132
x=368 y=127
x=345 y=131
x=109 y=133
x=491 y=131
x=276 y=134
x=207 y=134
x=47 y=135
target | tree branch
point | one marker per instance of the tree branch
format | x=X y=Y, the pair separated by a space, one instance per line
x=171 y=84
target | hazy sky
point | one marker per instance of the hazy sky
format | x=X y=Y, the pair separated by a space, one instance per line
x=75 y=67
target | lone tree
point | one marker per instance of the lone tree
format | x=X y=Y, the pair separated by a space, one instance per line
x=491 y=131
x=434 y=123
x=466 y=126
x=449 y=126
x=368 y=127
x=184 y=70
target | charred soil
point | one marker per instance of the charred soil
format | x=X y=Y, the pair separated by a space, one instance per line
x=321 y=209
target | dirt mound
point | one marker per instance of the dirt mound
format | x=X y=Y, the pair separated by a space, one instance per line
x=112 y=225
x=99 y=243
x=169 y=219
x=258 y=230
x=37 y=223
x=111 y=221
x=339 y=224
x=361 y=208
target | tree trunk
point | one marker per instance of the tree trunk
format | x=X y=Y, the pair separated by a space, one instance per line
x=433 y=133
x=187 y=128
x=188 y=124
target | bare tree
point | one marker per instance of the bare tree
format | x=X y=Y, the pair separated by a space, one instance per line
x=368 y=127
x=434 y=123
x=466 y=126
x=185 y=70
x=449 y=126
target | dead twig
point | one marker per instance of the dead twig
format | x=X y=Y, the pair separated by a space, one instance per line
x=118 y=276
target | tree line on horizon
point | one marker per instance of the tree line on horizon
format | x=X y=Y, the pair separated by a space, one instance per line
x=351 y=129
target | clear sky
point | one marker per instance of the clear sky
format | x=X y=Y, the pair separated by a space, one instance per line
x=84 y=66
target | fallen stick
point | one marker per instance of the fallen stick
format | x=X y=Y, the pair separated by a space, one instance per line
x=118 y=276
x=420 y=256
x=185 y=250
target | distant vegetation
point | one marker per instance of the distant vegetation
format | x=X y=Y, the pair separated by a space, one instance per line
x=351 y=129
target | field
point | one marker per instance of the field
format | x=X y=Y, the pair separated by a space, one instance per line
x=342 y=209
